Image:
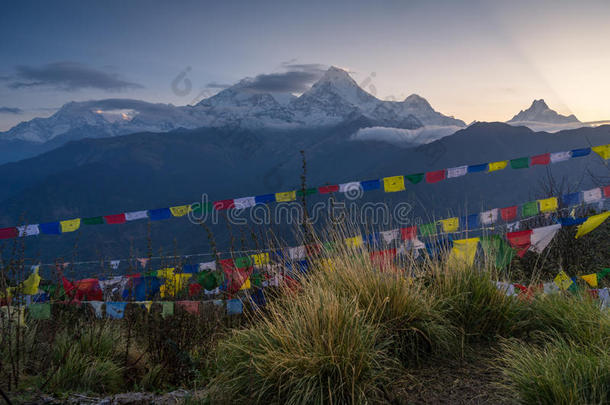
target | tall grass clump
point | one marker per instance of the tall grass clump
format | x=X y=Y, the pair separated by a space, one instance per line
x=473 y=303
x=313 y=347
x=403 y=311
x=89 y=362
x=560 y=372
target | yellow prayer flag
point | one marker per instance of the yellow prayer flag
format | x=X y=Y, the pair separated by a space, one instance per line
x=246 y=285
x=548 y=204
x=602 y=150
x=286 y=196
x=493 y=166
x=174 y=284
x=394 y=183
x=591 y=279
x=450 y=224
x=30 y=284
x=16 y=314
x=260 y=259
x=70 y=225
x=180 y=210
x=327 y=264
x=563 y=281
x=591 y=223
x=166 y=273
x=354 y=242
x=463 y=251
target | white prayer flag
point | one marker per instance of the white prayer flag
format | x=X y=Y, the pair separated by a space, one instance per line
x=489 y=217
x=351 y=186
x=457 y=171
x=28 y=230
x=390 y=236
x=244 y=202
x=593 y=195
x=135 y=215
x=541 y=237
x=297 y=253
x=560 y=156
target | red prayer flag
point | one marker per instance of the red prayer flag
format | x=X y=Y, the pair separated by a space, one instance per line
x=543 y=159
x=435 y=177
x=383 y=258
x=606 y=191
x=520 y=241
x=115 y=219
x=408 y=233
x=192 y=307
x=508 y=213
x=8 y=233
x=313 y=249
x=235 y=277
x=328 y=189
x=224 y=204
x=195 y=289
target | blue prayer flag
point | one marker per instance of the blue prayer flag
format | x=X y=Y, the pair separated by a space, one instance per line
x=50 y=228
x=580 y=152
x=470 y=222
x=370 y=185
x=115 y=310
x=190 y=268
x=234 y=307
x=571 y=199
x=264 y=199
x=159 y=214
x=477 y=168
x=571 y=221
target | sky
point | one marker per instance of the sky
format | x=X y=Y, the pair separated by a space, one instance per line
x=475 y=60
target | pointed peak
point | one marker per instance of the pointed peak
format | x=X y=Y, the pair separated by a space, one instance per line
x=539 y=104
x=539 y=111
x=335 y=74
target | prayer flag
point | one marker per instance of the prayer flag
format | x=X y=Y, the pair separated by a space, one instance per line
x=489 y=217
x=501 y=165
x=591 y=279
x=115 y=219
x=306 y=192
x=70 y=225
x=135 y=215
x=8 y=233
x=415 y=178
x=242 y=262
x=571 y=199
x=180 y=210
x=28 y=230
x=477 y=168
x=606 y=191
x=115 y=310
x=114 y=264
x=591 y=223
x=234 y=307
x=264 y=199
x=469 y=222
x=30 y=284
x=349 y=187
x=427 y=229
x=450 y=224
x=563 y=281
x=223 y=204
x=548 y=204
x=199 y=208
x=603 y=151
x=520 y=241
x=529 y=209
x=390 y=236
x=463 y=251
x=261 y=259
x=354 y=242
x=541 y=237
x=408 y=233
x=167 y=308
x=543 y=159
x=297 y=253
x=93 y=221
x=496 y=249
x=159 y=214
x=328 y=189
x=40 y=311
x=520 y=163
x=286 y=196
x=143 y=261
x=457 y=171
x=593 y=195
x=436 y=176
x=580 y=152
x=393 y=184
x=192 y=307
x=370 y=185
x=560 y=156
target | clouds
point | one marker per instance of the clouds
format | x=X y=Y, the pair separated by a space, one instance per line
x=297 y=79
x=10 y=110
x=68 y=76
x=404 y=137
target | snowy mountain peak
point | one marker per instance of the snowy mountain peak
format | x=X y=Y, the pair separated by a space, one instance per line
x=540 y=112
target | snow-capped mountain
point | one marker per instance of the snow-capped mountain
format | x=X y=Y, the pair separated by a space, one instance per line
x=539 y=111
x=335 y=98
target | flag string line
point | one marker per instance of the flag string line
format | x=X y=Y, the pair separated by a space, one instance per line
x=254 y=251
x=182 y=210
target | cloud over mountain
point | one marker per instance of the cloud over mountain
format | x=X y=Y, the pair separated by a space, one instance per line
x=68 y=76
x=10 y=110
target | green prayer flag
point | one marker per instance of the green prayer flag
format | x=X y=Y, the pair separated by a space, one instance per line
x=256 y=279
x=241 y=262
x=199 y=208
x=40 y=311
x=520 y=163
x=529 y=209
x=93 y=221
x=496 y=248
x=415 y=178
x=427 y=229
x=328 y=246
x=603 y=273
x=167 y=308
x=306 y=192
x=209 y=280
